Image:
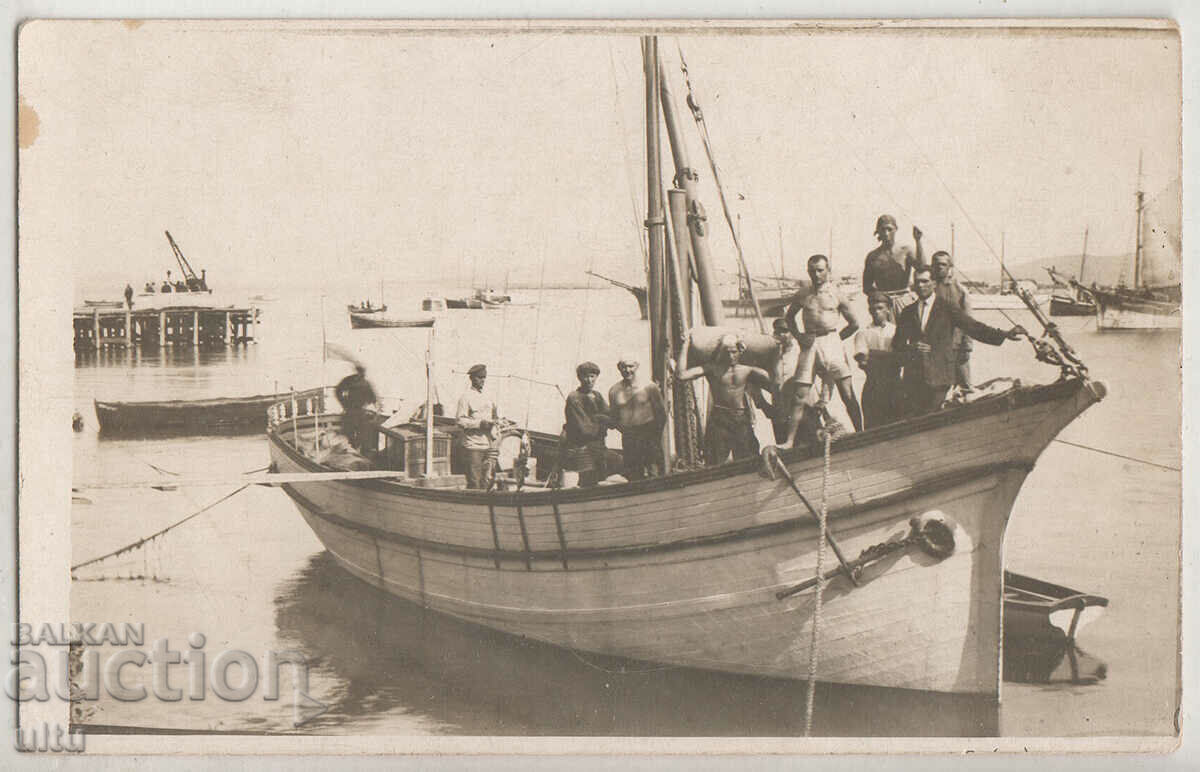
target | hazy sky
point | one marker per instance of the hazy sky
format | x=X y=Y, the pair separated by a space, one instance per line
x=313 y=153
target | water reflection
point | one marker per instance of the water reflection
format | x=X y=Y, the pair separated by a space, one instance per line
x=383 y=654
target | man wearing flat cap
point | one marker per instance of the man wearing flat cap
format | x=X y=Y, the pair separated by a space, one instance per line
x=587 y=424
x=640 y=415
x=476 y=414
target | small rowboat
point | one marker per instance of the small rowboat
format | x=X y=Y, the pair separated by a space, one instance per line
x=222 y=415
x=366 y=321
x=1041 y=621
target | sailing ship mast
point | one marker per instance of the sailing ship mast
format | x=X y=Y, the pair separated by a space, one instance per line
x=1137 y=251
x=655 y=221
x=1083 y=255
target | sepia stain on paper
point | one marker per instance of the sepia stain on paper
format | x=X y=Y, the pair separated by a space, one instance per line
x=27 y=124
x=133 y=24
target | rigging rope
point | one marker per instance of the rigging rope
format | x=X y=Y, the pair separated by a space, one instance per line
x=823 y=523
x=698 y=116
x=537 y=327
x=1119 y=455
x=142 y=541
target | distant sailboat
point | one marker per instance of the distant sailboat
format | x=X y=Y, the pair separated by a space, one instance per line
x=1155 y=299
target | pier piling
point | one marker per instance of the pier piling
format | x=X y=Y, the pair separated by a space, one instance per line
x=99 y=327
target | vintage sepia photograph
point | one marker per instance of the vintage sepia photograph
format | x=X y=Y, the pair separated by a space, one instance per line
x=410 y=386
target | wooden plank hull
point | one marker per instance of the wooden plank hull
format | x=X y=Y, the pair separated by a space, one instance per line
x=368 y=321
x=684 y=570
x=226 y=415
x=1063 y=306
x=1118 y=312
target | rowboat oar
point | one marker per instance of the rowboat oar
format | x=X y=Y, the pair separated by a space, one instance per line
x=772 y=455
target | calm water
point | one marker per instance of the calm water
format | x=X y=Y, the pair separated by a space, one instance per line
x=251 y=576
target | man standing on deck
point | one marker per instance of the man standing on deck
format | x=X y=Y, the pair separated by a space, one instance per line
x=730 y=424
x=476 y=414
x=354 y=392
x=785 y=367
x=821 y=349
x=889 y=266
x=882 y=394
x=949 y=290
x=129 y=296
x=925 y=341
x=587 y=423
x=640 y=416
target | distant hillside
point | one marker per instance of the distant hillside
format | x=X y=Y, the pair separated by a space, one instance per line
x=1102 y=269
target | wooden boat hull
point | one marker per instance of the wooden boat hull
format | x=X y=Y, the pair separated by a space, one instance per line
x=1116 y=311
x=229 y=415
x=1062 y=306
x=362 y=321
x=684 y=570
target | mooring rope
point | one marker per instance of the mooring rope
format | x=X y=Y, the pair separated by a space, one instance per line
x=823 y=522
x=1119 y=455
x=142 y=541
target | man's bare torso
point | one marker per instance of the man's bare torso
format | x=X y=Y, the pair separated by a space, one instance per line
x=820 y=309
x=633 y=405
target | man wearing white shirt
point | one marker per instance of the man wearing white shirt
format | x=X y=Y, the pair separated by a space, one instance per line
x=476 y=415
x=926 y=342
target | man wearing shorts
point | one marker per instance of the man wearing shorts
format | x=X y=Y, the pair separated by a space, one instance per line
x=821 y=349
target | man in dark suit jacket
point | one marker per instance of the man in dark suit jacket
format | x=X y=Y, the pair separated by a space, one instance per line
x=925 y=338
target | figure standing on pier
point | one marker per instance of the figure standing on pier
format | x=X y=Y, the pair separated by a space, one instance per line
x=129 y=296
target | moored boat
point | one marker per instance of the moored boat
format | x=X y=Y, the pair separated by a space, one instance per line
x=219 y=415
x=367 y=321
x=684 y=570
x=1155 y=299
x=709 y=567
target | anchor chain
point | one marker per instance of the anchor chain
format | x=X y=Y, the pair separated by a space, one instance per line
x=934 y=538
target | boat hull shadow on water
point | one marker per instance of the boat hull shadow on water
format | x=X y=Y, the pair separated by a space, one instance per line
x=474 y=680
x=164 y=418
x=685 y=570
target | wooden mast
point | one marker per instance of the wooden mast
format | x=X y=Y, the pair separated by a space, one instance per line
x=687 y=179
x=655 y=222
x=429 y=404
x=1083 y=255
x=1137 y=252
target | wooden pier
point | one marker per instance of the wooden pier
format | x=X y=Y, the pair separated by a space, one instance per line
x=98 y=326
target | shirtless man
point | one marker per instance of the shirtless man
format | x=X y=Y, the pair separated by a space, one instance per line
x=889 y=266
x=821 y=349
x=640 y=416
x=730 y=423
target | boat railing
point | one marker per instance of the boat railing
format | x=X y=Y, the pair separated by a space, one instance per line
x=310 y=402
